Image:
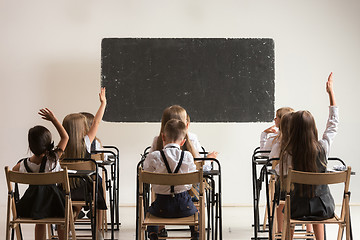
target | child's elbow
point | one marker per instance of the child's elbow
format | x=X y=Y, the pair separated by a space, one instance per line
x=16 y=167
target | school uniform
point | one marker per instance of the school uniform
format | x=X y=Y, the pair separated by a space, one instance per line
x=266 y=140
x=322 y=205
x=171 y=202
x=195 y=143
x=41 y=201
x=50 y=166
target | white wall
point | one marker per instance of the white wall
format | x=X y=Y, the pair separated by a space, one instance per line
x=50 y=57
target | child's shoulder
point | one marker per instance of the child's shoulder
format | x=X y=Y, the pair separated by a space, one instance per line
x=154 y=154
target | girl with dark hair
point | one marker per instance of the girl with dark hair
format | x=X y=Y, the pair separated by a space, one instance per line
x=36 y=202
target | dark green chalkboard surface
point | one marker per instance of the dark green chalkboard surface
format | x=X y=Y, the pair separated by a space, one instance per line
x=214 y=79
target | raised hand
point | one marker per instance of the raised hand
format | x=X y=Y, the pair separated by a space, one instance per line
x=271 y=129
x=102 y=95
x=330 y=90
x=47 y=114
x=329 y=83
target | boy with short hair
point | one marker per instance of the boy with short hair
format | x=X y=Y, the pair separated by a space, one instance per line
x=171 y=201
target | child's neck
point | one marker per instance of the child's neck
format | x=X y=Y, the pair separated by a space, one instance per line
x=36 y=159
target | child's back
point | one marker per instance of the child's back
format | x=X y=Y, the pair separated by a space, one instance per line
x=155 y=163
x=171 y=201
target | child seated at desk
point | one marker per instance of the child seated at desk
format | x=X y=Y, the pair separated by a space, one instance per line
x=171 y=202
x=192 y=143
x=270 y=136
x=79 y=146
x=304 y=152
x=37 y=203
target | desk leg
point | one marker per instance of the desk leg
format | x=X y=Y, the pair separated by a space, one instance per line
x=254 y=178
x=111 y=200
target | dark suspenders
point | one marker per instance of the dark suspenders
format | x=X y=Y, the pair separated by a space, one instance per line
x=172 y=188
x=42 y=166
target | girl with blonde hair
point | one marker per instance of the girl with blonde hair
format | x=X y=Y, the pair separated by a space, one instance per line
x=79 y=146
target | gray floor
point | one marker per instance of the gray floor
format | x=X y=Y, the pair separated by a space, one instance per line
x=237 y=223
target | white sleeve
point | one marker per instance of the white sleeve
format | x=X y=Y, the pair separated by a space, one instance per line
x=269 y=144
x=149 y=163
x=331 y=129
x=87 y=143
x=263 y=138
x=275 y=150
x=22 y=167
x=195 y=141
x=97 y=145
x=191 y=164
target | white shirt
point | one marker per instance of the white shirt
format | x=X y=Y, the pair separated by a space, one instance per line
x=266 y=140
x=155 y=163
x=50 y=166
x=97 y=146
x=195 y=143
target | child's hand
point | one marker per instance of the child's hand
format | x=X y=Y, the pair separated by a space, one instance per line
x=329 y=84
x=47 y=114
x=102 y=95
x=212 y=155
x=271 y=129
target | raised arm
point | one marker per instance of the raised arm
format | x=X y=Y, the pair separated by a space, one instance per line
x=330 y=91
x=333 y=119
x=48 y=115
x=98 y=116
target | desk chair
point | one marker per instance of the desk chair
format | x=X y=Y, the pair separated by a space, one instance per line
x=111 y=181
x=259 y=159
x=319 y=179
x=146 y=219
x=99 y=158
x=91 y=171
x=213 y=198
x=115 y=171
x=38 y=179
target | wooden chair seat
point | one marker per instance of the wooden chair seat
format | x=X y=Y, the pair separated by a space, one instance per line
x=153 y=220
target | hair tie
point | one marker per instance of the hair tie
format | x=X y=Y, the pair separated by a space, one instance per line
x=51 y=146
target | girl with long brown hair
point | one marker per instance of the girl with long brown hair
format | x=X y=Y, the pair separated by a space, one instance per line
x=304 y=152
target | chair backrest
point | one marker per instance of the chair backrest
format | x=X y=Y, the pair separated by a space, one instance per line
x=98 y=156
x=60 y=177
x=311 y=178
x=78 y=164
x=171 y=178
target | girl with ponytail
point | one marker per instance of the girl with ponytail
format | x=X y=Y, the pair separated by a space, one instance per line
x=37 y=203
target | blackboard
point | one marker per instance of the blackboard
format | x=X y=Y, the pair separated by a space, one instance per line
x=214 y=79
